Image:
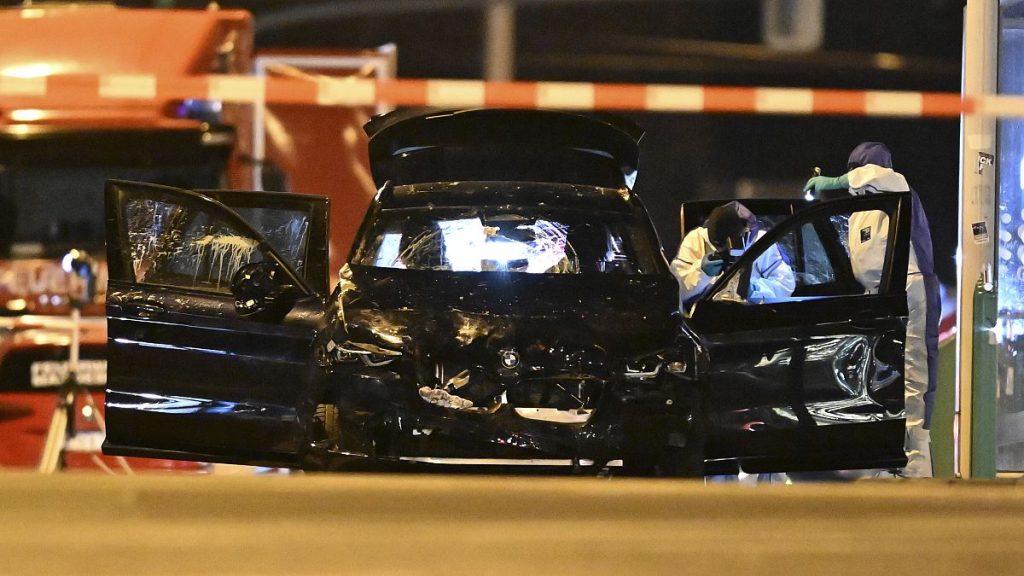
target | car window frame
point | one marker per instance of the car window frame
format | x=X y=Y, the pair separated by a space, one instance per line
x=119 y=264
x=316 y=269
x=693 y=213
x=893 y=269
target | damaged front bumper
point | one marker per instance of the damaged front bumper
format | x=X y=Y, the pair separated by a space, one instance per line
x=385 y=416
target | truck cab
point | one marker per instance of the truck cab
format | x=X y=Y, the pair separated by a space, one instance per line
x=55 y=155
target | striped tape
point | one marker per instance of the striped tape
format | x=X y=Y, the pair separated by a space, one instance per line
x=125 y=86
x=14 y=86
x=102 y=90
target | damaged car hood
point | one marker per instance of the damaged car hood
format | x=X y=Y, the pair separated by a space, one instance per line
x=428 y=311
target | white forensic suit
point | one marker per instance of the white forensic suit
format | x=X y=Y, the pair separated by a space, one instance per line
x=868 y=235
x=770 y=278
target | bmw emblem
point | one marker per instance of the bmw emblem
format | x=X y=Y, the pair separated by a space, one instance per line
x=509 y=358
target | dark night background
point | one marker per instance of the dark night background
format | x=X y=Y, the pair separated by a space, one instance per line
x=870 y=44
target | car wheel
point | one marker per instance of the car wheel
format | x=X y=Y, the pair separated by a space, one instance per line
x=327 y=425
x=640 y=465
x=654 y=452
x=683 y=462
x=686 y=459
x=671 y=461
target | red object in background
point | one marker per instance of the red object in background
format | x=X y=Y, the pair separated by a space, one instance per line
x=318 y=150
x=74 y=44
x=87 y=40
x=332 y=164
x=323 y=149
x=25 y=420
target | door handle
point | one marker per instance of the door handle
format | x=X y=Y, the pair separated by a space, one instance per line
x=144 y=310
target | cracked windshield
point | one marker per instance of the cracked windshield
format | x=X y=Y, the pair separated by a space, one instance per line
x=496 y=240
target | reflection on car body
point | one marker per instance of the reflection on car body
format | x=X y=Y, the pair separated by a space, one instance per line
x=506 y=300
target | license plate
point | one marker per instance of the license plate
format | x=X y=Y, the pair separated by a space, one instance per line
x=48 y=373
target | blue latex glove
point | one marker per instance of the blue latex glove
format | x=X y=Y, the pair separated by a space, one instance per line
x=710 y=265
x=818 y=184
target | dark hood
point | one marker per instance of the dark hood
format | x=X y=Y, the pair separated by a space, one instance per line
x=621 y=315
x=870 y=153
x=731 y=224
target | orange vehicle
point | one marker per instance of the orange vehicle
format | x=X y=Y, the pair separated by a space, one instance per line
x=56 y=153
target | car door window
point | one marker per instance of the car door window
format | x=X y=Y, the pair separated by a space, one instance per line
x=286 y=230
x=818 y=252
x=182 y=245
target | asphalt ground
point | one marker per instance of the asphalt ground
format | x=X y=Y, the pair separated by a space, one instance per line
x=78 y=523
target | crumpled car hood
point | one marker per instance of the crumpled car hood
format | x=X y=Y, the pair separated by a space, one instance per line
x=427 y=312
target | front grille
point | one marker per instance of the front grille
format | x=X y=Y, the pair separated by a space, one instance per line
x=560 y=393
x=541 y=361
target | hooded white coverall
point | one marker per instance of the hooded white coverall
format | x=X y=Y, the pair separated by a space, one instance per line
x=770 y=278
x=868 y=234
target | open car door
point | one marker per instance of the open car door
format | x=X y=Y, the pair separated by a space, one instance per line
x=213 y=302
x=812 y=381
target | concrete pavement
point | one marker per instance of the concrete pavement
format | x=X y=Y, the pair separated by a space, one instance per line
x=437 y=524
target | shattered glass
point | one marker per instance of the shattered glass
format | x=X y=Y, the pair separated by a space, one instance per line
x=841 y=222
x=816 y=267
x=286 y=230
x=176 y=245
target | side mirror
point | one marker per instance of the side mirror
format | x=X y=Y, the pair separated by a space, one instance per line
x=259 y=290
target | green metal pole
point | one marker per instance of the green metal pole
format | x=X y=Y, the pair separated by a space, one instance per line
x=983 y=397
x=943 y=414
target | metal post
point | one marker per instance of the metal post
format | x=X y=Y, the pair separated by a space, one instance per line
x=500 y=40
x=62 y=423
x=977 y=212
x=793 y=25
x=57 y=434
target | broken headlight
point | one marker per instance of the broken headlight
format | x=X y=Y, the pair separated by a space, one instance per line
x=369 y=354
x=643 y=368
x=650 y=366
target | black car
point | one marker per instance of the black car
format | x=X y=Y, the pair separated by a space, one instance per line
x=506 y=301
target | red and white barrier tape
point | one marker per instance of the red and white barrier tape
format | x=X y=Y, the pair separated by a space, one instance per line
x=55 y=91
